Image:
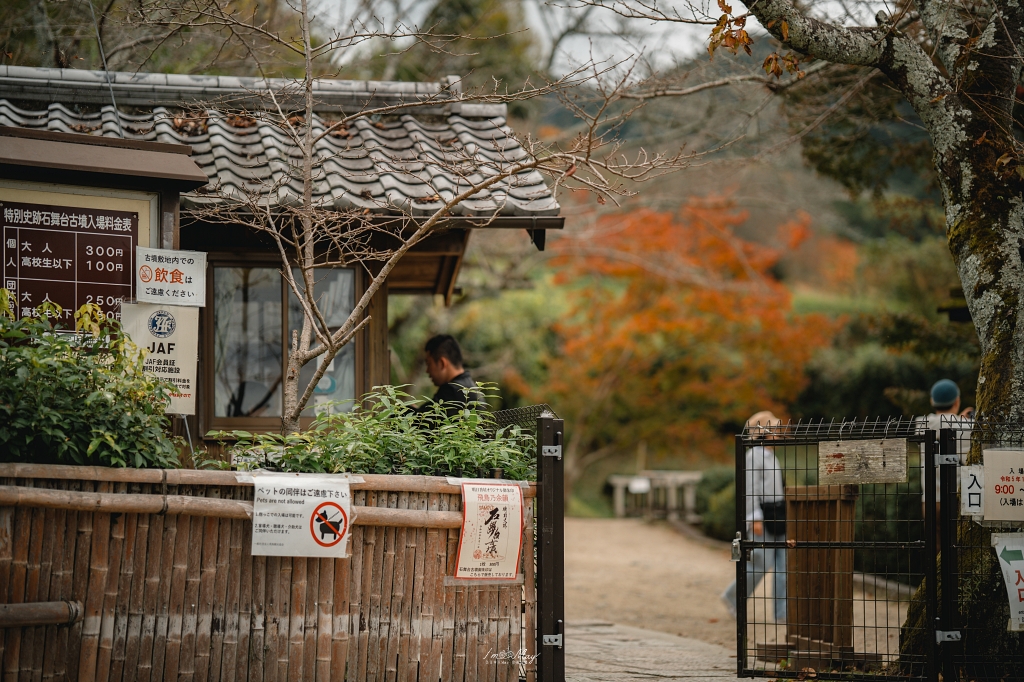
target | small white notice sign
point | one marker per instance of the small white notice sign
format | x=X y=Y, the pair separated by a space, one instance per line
x=170 y=336
x=862 y=461
x=1004 y=485
x=301 y=515
x=170 y=277
x=492 y=531
x=972 y=490
x=1009 y=549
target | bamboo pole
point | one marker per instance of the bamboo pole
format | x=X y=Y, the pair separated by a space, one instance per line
x=384 y=482
x=40 y=613
x=181 y=505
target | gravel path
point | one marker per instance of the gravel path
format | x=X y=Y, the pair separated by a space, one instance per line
x=647 y=575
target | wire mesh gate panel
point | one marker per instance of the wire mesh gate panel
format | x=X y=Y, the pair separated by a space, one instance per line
x=838 y=530
x=973 y=614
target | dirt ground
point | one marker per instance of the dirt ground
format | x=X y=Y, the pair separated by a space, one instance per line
x=651 y=576
x=646 y=575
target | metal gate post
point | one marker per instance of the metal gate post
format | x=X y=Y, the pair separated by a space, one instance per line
x=948 y=514
x=741 y=564
x=550 y=549
x=930 y=551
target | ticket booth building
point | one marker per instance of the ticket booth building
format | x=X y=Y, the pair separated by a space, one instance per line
x=196 y=155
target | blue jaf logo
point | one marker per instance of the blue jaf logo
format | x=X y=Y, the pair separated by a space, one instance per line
x=161 y=324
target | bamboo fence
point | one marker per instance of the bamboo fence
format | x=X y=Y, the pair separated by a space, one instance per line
x=160 y=563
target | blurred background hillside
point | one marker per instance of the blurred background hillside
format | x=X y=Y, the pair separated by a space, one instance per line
x=796 y=265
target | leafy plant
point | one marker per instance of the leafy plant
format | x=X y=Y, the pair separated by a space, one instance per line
x=387 y=434
x=78 y=398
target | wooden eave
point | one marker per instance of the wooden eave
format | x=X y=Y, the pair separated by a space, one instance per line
x=68 y=158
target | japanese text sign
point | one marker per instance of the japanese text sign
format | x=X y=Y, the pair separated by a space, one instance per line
x=170 y=336
x=972 y=490
x=1004 y=485
x=862 y=461
x=306 y=515
x=492 y=531
x=1009 y=549
x=67 y=255
x=170 y=277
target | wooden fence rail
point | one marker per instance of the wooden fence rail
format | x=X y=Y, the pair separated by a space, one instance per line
x=160 y=562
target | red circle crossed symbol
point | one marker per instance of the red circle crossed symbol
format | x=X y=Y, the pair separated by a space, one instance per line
x=328 y=521
x=145 y=273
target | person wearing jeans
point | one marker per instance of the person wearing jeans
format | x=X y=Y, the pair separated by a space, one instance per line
x=766 y=516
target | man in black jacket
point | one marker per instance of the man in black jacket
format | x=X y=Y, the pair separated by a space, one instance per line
x=444 y=365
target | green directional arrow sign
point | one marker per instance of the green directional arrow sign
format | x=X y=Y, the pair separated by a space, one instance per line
x=1010 y=555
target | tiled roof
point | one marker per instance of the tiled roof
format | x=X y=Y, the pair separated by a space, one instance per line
x=399 y=162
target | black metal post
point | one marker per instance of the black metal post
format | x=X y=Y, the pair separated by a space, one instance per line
x=741 y=565
x=930 y=551
x=550 y=549
x=948 y=515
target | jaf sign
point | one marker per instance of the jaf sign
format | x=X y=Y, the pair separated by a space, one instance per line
x=1009 y=549
x=863 y=461
x=1004 y=485
x=306 y=515
x=492 y=531
x=170 y=336
x=170 y=277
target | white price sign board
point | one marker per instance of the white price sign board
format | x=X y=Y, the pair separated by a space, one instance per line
x=305 y=515
x=1004 y=485
x=492 y=531
x=170 y=277
x=1009 y=548
x=170 y=335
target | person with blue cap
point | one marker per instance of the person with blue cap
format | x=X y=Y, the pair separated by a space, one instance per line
x=945 y=399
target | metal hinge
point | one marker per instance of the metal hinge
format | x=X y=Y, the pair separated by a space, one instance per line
x=551 y=451
x=552 y=640
x=947 y=636
x=736 y=553
x=946 y=459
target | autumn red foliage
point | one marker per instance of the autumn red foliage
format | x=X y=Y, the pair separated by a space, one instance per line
x=678 y=333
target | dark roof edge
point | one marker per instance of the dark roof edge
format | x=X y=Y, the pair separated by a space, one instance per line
x=79 y=138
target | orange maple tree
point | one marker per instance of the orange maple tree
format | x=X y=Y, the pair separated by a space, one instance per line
x=678 y=333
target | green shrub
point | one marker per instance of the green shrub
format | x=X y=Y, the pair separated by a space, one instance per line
x=719 y=521
x=83 y=398
x=384 y=434
x=713 y=480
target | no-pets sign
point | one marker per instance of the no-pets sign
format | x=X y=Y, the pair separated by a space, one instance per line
x=301 y=515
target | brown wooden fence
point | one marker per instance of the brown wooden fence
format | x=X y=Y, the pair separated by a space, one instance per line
x=160 y=563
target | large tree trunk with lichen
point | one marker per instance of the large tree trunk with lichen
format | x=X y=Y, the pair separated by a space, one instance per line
x=962 y=84
x=986 y=237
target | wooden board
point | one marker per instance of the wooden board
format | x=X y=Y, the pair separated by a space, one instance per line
x=863 y=461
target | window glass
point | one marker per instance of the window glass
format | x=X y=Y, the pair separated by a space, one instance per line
x=247 y=342
x=335 y=295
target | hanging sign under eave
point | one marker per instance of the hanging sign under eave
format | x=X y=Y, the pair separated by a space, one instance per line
x=170 y=277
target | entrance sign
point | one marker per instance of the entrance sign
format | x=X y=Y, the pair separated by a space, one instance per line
x=862 y=461
x=170 y=277
x=306 y=515
x=68 y=254
x=1009 y=549
x=492 y=531
x=1004 y=485
x=170 y=334
x=972 y=490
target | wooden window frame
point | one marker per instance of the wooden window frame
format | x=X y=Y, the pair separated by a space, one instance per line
x=208 y=380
